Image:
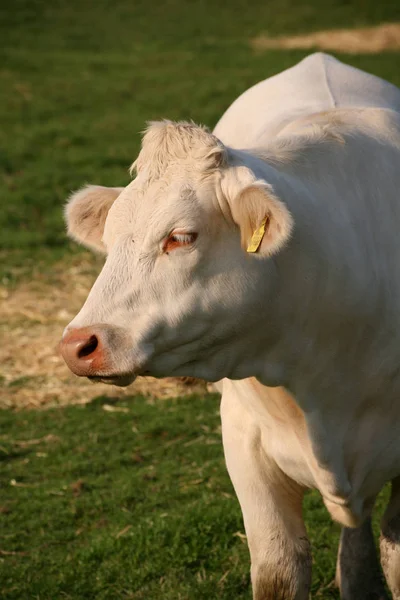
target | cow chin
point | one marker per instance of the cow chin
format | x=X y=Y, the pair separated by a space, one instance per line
x=118 y=380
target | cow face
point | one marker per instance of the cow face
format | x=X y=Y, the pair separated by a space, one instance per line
x=178 y=294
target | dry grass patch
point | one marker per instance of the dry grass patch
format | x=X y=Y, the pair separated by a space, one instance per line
x=365 y=40
x=33 y=316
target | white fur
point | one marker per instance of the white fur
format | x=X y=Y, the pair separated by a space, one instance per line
x=316 y=311
x=86 y=213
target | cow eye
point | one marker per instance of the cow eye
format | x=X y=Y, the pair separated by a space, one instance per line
x=176 y=240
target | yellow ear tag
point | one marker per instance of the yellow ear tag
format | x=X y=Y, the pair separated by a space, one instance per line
x=257 y=236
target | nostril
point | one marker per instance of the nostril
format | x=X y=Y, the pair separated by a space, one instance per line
x=89 y=347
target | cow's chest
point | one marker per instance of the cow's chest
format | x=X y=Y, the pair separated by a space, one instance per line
x=281 y=424
x=348 y=462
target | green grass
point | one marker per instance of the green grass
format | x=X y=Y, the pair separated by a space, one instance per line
x=79 y=79
x=136 y=504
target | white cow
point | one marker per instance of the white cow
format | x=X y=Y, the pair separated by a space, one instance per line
x=268 y=254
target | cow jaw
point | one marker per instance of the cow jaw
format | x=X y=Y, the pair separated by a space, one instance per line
x=160 y=343
x=118 y=380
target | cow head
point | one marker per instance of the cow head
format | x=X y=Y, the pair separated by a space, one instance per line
x=178 y=294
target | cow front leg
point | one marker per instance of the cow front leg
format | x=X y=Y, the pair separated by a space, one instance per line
x=390 y=541
x=272 y=511
x=358 y=572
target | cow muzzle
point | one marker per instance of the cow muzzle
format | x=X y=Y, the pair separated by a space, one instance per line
x=98 y=352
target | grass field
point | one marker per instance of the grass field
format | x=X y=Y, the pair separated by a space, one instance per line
x=129 y=500
x=130 y=503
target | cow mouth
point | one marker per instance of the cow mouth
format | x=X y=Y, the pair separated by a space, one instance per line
x=119 y=380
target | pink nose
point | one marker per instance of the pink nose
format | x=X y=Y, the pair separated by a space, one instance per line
x=83 y=349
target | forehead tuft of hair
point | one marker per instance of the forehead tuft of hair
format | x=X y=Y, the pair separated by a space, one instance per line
x=166 y=142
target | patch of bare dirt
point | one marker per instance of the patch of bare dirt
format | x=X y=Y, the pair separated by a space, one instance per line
x=363 y=40
x=32 y=319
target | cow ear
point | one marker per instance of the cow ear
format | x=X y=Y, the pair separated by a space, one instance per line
x=264 y=220
x=86 y=212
